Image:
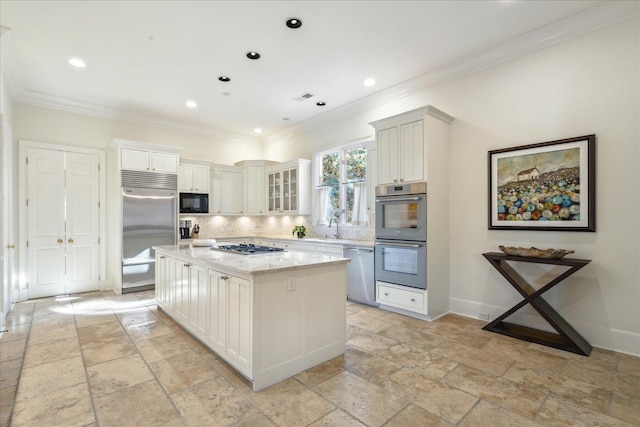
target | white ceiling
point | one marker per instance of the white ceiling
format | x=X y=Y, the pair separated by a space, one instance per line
x=146 y=58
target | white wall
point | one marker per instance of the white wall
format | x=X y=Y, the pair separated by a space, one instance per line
x=590 y=84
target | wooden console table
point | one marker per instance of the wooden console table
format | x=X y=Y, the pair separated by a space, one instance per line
x=567 y=338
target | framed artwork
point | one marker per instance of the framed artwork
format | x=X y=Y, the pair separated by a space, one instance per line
x=548 y=186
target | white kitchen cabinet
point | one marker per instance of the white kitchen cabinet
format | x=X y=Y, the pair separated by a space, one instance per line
x=289 y=187
x=227 y=190
x=239 y=320
x=254 y=176
x=193 y=179
x=149 y=161
x=414 y=146
x=401 y=153
x=216 y=333
x=372 y=178
x=198 y=293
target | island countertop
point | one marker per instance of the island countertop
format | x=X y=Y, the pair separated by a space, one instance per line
x=250 y=264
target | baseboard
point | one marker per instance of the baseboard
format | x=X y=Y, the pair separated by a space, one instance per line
x=598 y=336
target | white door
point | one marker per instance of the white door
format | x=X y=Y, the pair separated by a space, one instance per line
x=82 y=222
x=6 y=223
x=62 y=222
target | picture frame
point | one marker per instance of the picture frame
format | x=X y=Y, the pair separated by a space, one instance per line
x=547 y=186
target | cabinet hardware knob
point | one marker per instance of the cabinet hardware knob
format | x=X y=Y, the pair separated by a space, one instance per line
x=224 y=277
x=11 y=246
x=187 y=265
x=162 y=257
x=395 y=180
x=60 y=240
x=386 y=294
x=413 y=300
x=70 y=240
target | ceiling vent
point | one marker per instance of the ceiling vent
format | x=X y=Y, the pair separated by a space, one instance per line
x=304 y=97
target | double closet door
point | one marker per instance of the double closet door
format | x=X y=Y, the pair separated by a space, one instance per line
x=63 y=222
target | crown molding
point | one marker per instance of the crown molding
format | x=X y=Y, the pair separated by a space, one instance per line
x=594 y=18
x=603 y=14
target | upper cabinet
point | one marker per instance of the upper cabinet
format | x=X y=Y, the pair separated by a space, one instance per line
x=288 y=187
x=401 y=145
x=193 y=178
x=149 y=161
x=254 y=176
x=227 y=190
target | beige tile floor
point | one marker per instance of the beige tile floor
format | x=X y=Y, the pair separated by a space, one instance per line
x=100 y=359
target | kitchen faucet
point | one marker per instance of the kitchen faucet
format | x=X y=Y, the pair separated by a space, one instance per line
x=337 y=233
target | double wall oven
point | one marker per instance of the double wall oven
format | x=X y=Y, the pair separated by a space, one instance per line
x=401 y=234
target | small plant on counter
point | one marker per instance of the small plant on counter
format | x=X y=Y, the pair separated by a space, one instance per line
x=300 y=231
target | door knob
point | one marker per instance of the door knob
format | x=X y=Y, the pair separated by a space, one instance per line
x=60 y=240
x=70 y=240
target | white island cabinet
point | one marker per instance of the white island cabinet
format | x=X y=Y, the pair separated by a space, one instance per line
x=269 y=316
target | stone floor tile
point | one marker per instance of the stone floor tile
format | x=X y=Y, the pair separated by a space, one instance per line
x=492 y=363
x=71 y=407
x=364 y=321
x=52 y=305
x=367 y=340
x=508 y=394
x=456 y=320
x=143 y=404
x=88 y=319
x=256 y=421
x=182 y=371
x=49 y=377
x=15 y=332
x=629 y=364
x=438 y=398
x=628 y=384
x=15 y=318
x=314 y=376
x=374 y=312
x=10 y=372
x=366 y=365
x=607 y=378
x=50 y=351
x=136 y=316
x=289 y=403
x=519 y=351
x=588 y=395
x=337 y=418
x=470 y=338
x=105 y=349
x=560 y=412
x=499 y=417
x=214 y=402
x=162 y=347
x=7 y=397
x=425 y=363
x=144 y=331
x=116 y=375
x=625 y=407
x=43 y=335
x=416 y=416
x=100 y=331
x=228 y=373
x=10 y=350
x=402 y=320
x=413 y=337
x=52 y=321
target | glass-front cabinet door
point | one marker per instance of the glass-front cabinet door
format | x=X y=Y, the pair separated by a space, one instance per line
x=275 y=191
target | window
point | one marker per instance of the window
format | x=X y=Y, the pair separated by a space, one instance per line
x=341 y=185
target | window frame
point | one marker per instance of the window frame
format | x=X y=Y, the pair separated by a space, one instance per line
x=317 y=178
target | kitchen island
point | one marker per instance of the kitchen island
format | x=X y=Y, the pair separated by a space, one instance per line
x=270 y=316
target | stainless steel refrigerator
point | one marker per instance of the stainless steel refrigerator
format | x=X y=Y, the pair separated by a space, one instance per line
x=148 y=219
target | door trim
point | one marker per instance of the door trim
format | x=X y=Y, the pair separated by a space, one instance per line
x=24 y=145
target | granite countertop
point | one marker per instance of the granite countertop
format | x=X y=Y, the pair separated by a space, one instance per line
x=251 y=264
x=343 y=242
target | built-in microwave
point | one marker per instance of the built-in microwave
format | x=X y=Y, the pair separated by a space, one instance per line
x=401 y=212
x=194 y=203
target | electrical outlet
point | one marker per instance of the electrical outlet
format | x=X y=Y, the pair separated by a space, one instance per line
x=483 y=316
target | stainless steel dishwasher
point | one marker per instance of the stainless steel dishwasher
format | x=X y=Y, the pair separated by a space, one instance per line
x=361 y=285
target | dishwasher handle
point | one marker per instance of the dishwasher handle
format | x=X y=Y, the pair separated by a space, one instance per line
x=359 y=250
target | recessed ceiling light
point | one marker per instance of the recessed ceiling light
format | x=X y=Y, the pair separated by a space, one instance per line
x=253 y=55
x=257 y=130
x=369 y=82
x=294 y=23
x=224 y=79
x=321 y=103
x=77 y=62
x=191 y=104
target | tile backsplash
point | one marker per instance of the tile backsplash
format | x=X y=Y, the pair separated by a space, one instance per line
x=217 y=226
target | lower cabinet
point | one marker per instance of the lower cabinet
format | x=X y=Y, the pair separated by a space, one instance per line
x=402 y=298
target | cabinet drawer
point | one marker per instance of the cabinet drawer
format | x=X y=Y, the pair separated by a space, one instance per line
x=400 y=297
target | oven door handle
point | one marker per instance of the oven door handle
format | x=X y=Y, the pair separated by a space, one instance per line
x=404 y=245
x=398 y=199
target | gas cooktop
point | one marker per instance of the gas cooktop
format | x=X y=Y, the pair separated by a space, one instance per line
x=244 y=249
